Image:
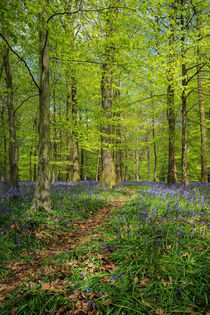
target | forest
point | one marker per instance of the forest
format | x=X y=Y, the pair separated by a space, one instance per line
x=104 y=156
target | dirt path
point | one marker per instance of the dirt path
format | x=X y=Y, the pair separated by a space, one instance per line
x=32 y=273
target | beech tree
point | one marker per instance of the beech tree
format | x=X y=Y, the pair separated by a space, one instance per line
x=108 y=176
x=41 y=198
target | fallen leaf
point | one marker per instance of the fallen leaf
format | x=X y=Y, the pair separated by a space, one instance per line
x=170 y=279
x=92 y=295
x=136 y=280
x=45 y=286
x=163 y=281
x=191 y=310
x=185 y=255
x=14 y=311
x=159 y=311
x=144 y=282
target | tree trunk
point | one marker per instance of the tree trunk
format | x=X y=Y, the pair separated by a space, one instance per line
x=185 y=181
x=4 y=172
x=98 y=165
x=126 y=165
x=41 y=200
x=148 y=163
x=82 y=164
x=204 y=173
x=119 y=162
x=86 y=165
x=155 y=151
x=30 y=164
x=76 y=166
x=13 y=146
x=35 y=167
x=137 y=163
x=154 y=142
x=118 y=132
x=171 y=135
x=68 y=136
x=170 y=100
x=54 y=146
x=108 y=176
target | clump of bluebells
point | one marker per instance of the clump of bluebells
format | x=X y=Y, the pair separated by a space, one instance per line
x=160 y=235
x=68 y=201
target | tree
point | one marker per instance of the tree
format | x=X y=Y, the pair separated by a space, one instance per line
x=41 y=199
x=13 y=146
x=204 y=173
x=170 y=96
x=108 y=176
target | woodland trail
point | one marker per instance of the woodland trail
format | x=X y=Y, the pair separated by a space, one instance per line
x=42 y=264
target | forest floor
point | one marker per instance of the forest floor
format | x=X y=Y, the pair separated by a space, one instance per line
x=113 y=252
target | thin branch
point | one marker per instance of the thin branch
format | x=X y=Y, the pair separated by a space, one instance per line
x=195 y=73
x=88 y=10
x=195 y=66
x=25 y=63
x=144 y=99
x=25 y=100
x=75 y=60
x=196 y=122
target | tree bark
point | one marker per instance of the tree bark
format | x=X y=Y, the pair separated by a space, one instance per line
x=68 y=136
x=148 y=163
x=76 y=166
x=98 y=166
x=155 y=150
x=171 y=135
x=54 y=146
x=154 y=142
x=185 y=181
x=126 y=165
x=118 y=134
x=4 y=172
x=108 y=176
x=137 y=153
x=170 y=99
x=204 y=173
x=13 y=145
x=82 y=163
x=41 y=200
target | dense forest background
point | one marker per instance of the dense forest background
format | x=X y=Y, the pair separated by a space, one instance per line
x=104 y=90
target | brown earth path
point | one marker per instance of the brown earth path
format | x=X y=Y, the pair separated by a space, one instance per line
x=31 y=273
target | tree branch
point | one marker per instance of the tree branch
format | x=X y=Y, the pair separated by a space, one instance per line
x=79 y=61
x=25 y=100
x=25 y=63
x=144 y=99
x=195 y=73
x=196 y=122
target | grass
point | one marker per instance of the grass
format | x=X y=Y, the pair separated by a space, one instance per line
x=150 y=256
